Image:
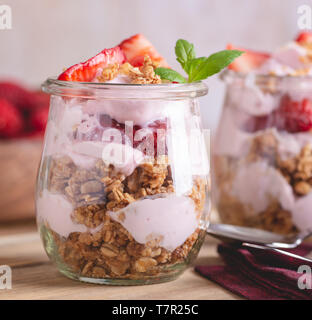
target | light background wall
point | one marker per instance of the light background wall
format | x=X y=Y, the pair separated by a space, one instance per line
x=49 y=35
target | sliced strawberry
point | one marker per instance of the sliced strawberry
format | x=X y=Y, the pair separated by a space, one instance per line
x=294 y=116
x=86 y=71
x=136 y=47
x=11 y=122
x=291 y=116
x=248 y=61
x=304 y=37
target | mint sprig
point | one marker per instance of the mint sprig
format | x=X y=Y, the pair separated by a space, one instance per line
x=197 y=68
x=184 y=52
x=170 y=75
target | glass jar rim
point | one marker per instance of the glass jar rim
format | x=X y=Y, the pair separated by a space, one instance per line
x=269 y=82
x=240 y=75
x=124 y=91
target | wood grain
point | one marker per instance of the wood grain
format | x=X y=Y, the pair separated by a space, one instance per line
x=34 y=276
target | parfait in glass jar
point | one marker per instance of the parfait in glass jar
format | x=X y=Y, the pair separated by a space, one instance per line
x=122 y=192
x=263 y=147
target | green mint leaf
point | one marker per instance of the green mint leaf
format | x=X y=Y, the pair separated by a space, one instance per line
x=202 y=68
x=184 y=52
x=192 y=65
x=169 y=74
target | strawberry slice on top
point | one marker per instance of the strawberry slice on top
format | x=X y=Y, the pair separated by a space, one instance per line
x=136 y=47
x=304 y=37
x=248 y=61
x=87 y=71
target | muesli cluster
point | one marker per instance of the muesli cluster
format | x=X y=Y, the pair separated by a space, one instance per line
x=137 y=75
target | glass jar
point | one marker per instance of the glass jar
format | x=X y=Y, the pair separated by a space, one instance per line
x=262 y=153
x=122 y=192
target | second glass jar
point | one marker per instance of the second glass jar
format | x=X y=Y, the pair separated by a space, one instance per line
x=263 y=155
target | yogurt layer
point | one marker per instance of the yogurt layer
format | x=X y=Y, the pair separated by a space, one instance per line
x=250 y=98
x=60 y=140
x=139 y=111
x=232 y=140
x=119 y=79
x=257 y=184
x=291 y=55
x=170 y=220
x=123 y=157
x=302 y=215
x=286 y=60
x=55 y=210
x=77 y=132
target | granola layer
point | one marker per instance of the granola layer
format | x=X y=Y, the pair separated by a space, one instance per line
x=106 y=248
x=295 y=172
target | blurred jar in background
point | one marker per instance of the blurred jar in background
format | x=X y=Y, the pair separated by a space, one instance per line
x=262 y=153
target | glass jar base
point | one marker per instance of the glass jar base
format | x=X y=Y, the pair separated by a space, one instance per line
x=122 y=282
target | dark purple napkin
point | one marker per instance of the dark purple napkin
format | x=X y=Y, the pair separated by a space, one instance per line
x=259 y=274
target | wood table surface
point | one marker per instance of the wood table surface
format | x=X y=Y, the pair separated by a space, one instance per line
x=35 y=277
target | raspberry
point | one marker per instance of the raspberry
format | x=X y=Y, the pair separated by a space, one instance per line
x=294 y=116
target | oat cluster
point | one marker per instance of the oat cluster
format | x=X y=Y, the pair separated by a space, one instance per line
x=142 y=75
x=110 y=250
x=298 y=171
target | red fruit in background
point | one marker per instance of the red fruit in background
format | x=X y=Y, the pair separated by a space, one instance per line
x=39 y=118
x=294 y=116
x=11 y=122
x=248 y=61
x=304 y=37
x=40 y=99
x=136 y=47
x=16 y=95
x=86 y=71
